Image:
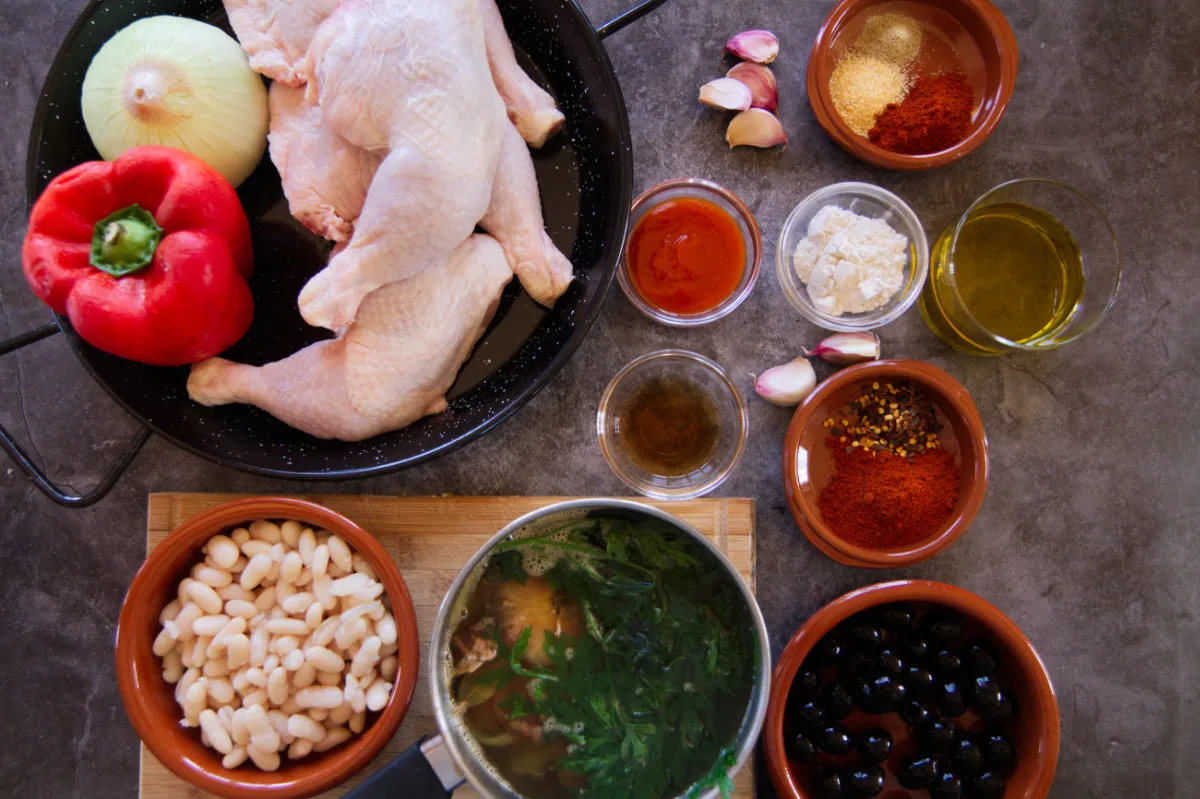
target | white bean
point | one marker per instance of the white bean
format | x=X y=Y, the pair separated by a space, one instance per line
x=324 y=659
x=264 y=530
x=260 y=640
x=377 y=694
x=321 y=589
x=221 y=690
x=358 y=721
x=266 y=600
x=170 y=611
x=237 y=650
x=240 y=536
x=234 y=591
x=187 y=616
x=205 y=597
x=345 y=586
x=254 y=573
x=359 y=610
x=277 y=686
x=340 y=553
x=210 y=625
x=329 y=678
x=293 y=660
x=214 y=578
x=289 y=707
x=326 y=696
x=172 y=667
x=348 y=634
x=299 y=748
x=217 y=735
x=297 y=603
x=199 y=650
x=314 y=615
x=388 y=667
x=288 y=627
x=304 y=727
x=265 y=759
x=271 y=663
x=363 y=566
x=334 y=737
x=280 y=722
x=304 y=676
x=223 y=550
x=163 y=642
x=286 y=643
x=324 y=634
x=385 y=628
x=255 y=547
x=256 y=697
x=215 y=667
x=290 y=568
x=241 y=608
x=320 y=561
x=236 y=757
x=366 y=657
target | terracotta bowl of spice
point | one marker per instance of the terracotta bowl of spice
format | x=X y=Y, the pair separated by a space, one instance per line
x=885 y=464
x=982 y=640
x=912 y=85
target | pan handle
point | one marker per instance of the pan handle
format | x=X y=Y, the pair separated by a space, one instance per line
x=14 y=450
x=632 y=15
x=422 y=771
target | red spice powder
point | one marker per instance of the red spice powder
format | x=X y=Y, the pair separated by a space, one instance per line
x=935 y=116
x=880 y=501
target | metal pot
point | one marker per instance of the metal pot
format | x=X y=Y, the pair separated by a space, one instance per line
x=436 y=766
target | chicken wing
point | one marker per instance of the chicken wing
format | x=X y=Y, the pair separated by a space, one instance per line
x=529 y=106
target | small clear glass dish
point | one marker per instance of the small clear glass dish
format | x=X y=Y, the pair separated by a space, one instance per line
x=863 y=199
x=725 y=200
x=732 y=413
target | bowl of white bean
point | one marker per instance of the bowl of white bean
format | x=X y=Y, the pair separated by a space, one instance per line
x=267 y=647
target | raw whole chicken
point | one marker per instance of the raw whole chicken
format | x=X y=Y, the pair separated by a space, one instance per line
x=424 y=106
x=276 y=33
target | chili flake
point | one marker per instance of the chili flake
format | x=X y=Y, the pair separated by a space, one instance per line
x=891 y=417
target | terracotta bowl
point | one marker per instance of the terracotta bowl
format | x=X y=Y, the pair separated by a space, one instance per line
x=808 y=463
x=1036 y=731
x=150 y=701
x=975 y=26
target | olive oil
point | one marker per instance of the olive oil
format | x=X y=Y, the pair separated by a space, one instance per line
x=669 y=427
x=1015 y=271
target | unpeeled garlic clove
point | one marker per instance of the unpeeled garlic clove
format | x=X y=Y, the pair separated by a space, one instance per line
x=846 y=348
x=758 y=46
x=755 y=128
x=788 y=384
x=726 y=94
x=760 y=80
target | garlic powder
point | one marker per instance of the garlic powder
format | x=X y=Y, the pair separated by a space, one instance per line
x=850 y=263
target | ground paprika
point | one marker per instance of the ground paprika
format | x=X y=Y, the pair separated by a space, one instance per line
x=935 y=116
x=880 y=500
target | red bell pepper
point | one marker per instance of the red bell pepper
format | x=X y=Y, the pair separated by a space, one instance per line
x=147 y=255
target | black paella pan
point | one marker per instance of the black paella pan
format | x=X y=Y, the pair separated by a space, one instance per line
x=585 y=175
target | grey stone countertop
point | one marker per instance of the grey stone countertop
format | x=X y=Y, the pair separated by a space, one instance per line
x=1088 y=538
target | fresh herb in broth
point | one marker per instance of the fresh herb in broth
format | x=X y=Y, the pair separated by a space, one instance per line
x=642 y=676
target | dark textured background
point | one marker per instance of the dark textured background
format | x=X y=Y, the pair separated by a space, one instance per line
x=1089 y=533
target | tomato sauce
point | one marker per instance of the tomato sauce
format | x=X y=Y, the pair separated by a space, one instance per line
x=686 y=255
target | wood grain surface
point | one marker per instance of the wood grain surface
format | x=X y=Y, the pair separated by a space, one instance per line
x=430 y=538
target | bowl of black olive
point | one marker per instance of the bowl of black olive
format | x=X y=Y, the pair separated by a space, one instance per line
x=911 y=688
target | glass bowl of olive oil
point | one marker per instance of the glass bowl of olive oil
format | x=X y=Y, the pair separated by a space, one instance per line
x=1031 y=265
x=672 y=424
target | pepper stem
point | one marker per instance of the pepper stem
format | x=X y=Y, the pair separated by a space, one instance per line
x=125 y=241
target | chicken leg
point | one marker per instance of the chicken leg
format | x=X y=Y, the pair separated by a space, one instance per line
x=394 y=364
x=515 y=219
x=529 y=106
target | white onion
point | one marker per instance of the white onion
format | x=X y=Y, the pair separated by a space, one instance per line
x=177 y=82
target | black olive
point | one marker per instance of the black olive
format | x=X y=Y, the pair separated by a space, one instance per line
x=946 y=663
x=875 y=745
x=985 y=692
x=858 y=663
x=864 y=781
x=937 y=735
x=890 y=662
x=801 y=748
x=809 y=715
x=835 y=698
x=835 y=740
x=914 y=712
x=919 y=680
x=946 y=786
x=1001 y=713
x=951 y=700
x=827 y=782
x=866 y=635
x=988 y=785
x=825 y=653
x=943 y=626
x=980 y=658
x=889 y=691
x=916 y=773
x=895 y=617
x=868 y=699
x=914 y=644
x=997 y=751
x=805 y=684
x=967 y=757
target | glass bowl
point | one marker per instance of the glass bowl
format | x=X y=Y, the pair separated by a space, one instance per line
x=733 y=422
x=726 y=201
x=863 y=199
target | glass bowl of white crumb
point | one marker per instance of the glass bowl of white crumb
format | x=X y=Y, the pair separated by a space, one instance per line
x=865 y=285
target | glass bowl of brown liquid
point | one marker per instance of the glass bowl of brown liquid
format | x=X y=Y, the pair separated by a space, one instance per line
x=672 y=424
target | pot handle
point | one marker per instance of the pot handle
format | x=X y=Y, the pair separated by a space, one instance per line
x=632 y=15
x=43 y=483
x=422 y=771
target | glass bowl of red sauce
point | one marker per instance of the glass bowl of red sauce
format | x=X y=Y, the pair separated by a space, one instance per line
x=692 y=255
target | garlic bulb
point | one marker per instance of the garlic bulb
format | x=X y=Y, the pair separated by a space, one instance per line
x=788 y=384
x=177 y=82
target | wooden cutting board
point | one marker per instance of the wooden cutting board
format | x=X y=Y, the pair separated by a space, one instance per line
x=430 y=538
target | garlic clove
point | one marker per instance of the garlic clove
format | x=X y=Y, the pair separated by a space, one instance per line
x=755 y=128
x=726 y=94
x=758 y=46
x=846 y=348
x=760 y=80
x=788 y=384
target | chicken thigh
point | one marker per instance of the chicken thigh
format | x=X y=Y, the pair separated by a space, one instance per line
x=276 y=33
x=394 y=364
x=325 y=178
x=409 y=78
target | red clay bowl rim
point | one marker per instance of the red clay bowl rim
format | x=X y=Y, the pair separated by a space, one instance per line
x=1003 y=39
x=808 y=519
x=1017 y=644
x=343 y=762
